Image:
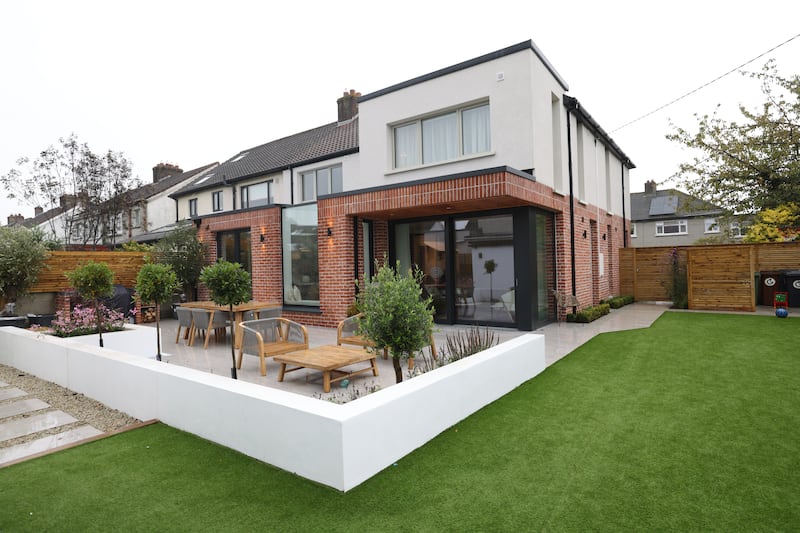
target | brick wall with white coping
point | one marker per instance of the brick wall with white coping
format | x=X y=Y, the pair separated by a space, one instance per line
x=336 y=445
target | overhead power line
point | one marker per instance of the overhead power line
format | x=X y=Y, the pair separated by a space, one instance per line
x=705 y=84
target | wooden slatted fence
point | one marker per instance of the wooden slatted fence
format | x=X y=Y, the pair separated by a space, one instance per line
x=52 y=278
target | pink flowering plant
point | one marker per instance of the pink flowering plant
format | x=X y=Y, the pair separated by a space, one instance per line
x=83 y=321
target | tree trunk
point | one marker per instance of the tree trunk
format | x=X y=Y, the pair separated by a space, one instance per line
x=99 y=321
x=398 y=370
x=158 y=332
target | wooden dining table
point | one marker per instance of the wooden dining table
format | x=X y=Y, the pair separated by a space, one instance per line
x=238 y=312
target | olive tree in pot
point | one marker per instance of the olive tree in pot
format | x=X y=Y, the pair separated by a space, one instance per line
x=395 y=314
x=23 y=253
x=156 y=283
x=229 y=284
x=93 y=281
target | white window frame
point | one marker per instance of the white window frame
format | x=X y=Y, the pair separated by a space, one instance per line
x=737 y=230
x=217 y=201
x=315 y=175
x=682 y=224
x=710 y=225
x=136 y=217
x=633 y=229
x=192 y=207
x=418 y=152
x=245 y=194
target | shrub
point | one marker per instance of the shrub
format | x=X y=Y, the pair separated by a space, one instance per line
x=464 y=343
x=590 y=314
x=83 y=321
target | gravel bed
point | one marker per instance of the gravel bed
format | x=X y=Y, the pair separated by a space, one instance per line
x=86 y=410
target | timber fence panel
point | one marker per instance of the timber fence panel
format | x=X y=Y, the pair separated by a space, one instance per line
x=52 y=278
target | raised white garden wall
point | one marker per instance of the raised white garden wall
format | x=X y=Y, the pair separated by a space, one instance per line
x=336 y=445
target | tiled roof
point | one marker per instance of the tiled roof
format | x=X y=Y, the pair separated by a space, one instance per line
x=146 y=191
x=302 y=148
x=669 y=204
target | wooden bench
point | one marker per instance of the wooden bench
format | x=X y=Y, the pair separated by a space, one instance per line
x=328 y=360
x=347 y=332
x=269 y=337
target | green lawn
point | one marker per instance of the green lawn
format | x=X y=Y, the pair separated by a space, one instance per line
x=693 y=424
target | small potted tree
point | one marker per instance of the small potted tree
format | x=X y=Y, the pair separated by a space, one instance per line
x=93 y=281
x=156 y=283
x=395 y=314
x=229 y=284
x=23 y=253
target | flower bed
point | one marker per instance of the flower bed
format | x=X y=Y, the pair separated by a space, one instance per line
x=83 y=321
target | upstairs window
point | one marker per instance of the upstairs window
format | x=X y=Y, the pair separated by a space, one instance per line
x=136 y=218
x=257 y=195
x=193 y=207
x=320 y=182
x=633 y=229
x=672 y=227
x=216 y=201
x=711 y=225
x=443 y=137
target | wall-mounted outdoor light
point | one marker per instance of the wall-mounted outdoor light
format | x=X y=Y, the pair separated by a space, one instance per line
x=330 y=233
x=262 y=237
x=584 y=234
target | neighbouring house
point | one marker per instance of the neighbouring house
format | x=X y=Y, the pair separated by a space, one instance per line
x=485 y=175
x=670 y=217
x=150 y=210
x=132 y=215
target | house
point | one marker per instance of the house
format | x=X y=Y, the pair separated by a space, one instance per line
x=485 y=175
x=670 y=217
x=149 y=208
x=129 y=216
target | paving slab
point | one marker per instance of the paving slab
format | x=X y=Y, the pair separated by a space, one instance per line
x=33 y=424
x=26 y=449
x=11 y=392
x=21 y=407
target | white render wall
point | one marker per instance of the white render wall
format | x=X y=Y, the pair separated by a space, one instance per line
x=337 y=445
x=520 y=114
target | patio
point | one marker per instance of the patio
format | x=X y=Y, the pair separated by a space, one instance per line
x=560 y=339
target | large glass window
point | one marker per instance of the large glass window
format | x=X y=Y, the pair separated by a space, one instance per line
x=193 y=207
x=484 y=268
x=300 y=255
x=320 y=182
x=257 y=195
x=234 y=246
x=443 y=137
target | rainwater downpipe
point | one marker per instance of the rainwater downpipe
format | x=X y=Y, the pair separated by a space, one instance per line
x=571 y=204
x=624 y=226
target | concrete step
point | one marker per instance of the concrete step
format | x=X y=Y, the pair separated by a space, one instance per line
x=43 y=444
x=34 y=424
x=21 y=407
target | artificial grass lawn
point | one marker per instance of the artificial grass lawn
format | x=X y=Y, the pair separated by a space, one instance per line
x=689 y=425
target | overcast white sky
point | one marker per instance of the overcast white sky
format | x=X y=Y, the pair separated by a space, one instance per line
x=195 y=82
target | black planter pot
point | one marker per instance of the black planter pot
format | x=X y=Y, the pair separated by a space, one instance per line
x=13 y=321
x=44 y=320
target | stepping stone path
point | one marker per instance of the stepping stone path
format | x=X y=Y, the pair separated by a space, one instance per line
x=22 y=416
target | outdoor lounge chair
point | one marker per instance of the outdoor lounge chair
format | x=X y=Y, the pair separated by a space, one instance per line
x=268 y=337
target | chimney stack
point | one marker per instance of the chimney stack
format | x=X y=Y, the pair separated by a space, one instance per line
x=650 y=187
x=66 y=200
x=37 y=211
x=13 y=220
x=348 y=105
x=162 y=170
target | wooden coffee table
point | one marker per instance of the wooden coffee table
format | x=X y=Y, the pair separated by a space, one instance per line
x=328 y=359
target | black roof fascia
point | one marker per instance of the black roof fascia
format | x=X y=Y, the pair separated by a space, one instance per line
x=575 y=106
x=525 y=45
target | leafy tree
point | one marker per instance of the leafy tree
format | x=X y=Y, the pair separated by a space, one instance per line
x=156 y=283
x=93 y=281
x=23 y=253
x=395 y=313
x=751 y=165
x=87 y=188
x=776 y=225
x=229 y=284
x=181 y=249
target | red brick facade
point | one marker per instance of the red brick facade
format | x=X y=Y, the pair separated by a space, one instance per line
x=595 y=233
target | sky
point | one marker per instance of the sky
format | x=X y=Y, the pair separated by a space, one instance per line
x=191 y=83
